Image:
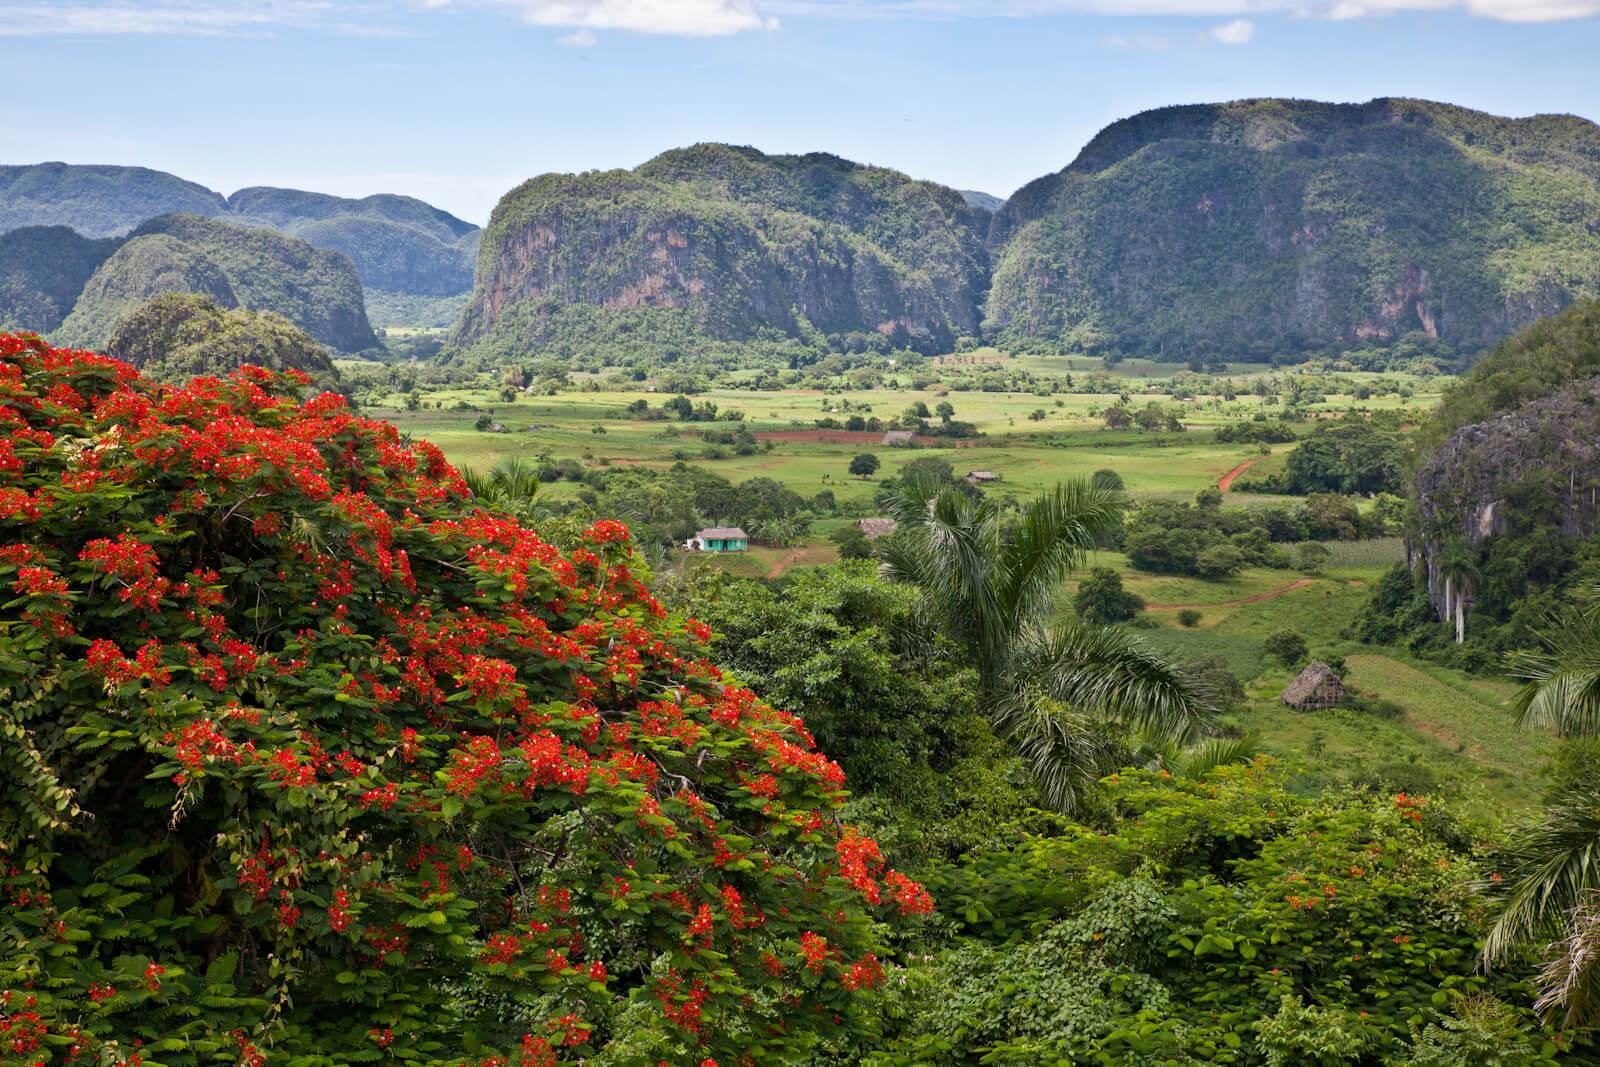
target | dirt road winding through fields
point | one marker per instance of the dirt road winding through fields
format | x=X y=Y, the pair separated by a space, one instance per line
x=1226 y=481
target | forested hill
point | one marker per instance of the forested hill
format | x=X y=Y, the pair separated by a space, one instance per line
x=1250 y=230
x=727 y=243
x=1506 y=499
x=97 y=201
x=399 y=244
x=235 y=266
x=1267 y=226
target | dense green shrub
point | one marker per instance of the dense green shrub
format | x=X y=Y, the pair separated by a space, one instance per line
x=1286 y=646
x=1101 y=599
x=1225 y=921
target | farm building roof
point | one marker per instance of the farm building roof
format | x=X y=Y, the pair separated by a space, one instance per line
x=723 y=533
x=1317 y=687
x=876 y=528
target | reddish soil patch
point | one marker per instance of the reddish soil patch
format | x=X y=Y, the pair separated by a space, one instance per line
x=786 y=562
x=830 y=437
x=1226 y=481
x=1298 y=583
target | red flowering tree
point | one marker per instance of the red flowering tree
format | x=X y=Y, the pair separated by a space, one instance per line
x=305 y=758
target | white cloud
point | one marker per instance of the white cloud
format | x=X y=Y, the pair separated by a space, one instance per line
x=679 y=18
x=1239 y=31
x=697 y=18
x=579 y=39
x=1504 y=10
x=84 y=17
x=684 y=18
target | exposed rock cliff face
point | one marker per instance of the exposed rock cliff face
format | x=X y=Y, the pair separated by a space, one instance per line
x=745 y=244
x=1536 y=467
x=1280 y=225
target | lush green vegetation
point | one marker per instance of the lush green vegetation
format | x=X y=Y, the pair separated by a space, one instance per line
x=185 y=335
x=235 y=266
x=398 y=244
x=261 y=597
x=96 y=201
x=1504 y=500
x=1356 y=454
x=805 y=253
x=1286 y=227
x=42 y=271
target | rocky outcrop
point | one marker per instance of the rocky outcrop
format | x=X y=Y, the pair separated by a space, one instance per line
x=1535 y=467
x=742 y=244
x=1280 y=226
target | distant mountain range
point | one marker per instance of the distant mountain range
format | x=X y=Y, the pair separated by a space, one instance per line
x=397 y=243
x=1249 y=230
x=81 y=246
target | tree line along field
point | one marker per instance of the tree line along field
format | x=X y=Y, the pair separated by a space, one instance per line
x=1454 y=733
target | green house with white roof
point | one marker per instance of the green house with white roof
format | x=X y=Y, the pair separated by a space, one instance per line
x=720 y=539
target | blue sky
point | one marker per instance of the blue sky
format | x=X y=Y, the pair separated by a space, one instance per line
x=455 y=101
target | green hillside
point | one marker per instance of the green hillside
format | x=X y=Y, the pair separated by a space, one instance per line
x=97 y=201
x=42 y=270
x=732 y=245
x=236 y=266
x=1280 y=226
x=178 y=336
x=398 y=244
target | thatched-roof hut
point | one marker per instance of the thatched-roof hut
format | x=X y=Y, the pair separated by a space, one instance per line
x=876 y=528
x=1318 y=687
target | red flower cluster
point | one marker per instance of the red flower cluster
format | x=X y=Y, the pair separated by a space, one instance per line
x=1410 y=807
x=402 y=734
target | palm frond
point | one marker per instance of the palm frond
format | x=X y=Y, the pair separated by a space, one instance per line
x=1561 y=683
x=901 y=559
x=1552 y=867
x=1200 y=760
x=910 y=506
x=1110 y=673
x=1569 y=981
x=480 y=483
x=1065 y=752
x=1057 y=530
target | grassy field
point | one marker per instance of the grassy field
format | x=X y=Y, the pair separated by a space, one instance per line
x=1454 y=736
x=1069 y=441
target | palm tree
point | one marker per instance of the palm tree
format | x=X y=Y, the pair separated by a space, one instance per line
x=1549 y=896
x=1561 y=681
x=1460 y=576
x=1058 y=693
x=511 y=486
